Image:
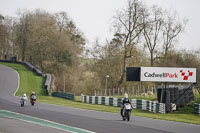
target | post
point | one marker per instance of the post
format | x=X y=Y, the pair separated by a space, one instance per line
x=107 y=76
x=128 y=90
x=139 y=91
x=133 y=91
x=195 y=95
x=64 y=81
x=118 y=91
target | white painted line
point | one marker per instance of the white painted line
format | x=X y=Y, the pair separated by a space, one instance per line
x=45 y=121
x=18 y=82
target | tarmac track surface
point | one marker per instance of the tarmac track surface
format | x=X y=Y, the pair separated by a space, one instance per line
x=16 y=126
x=95 y=121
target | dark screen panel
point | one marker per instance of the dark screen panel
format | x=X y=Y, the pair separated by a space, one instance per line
x=133 y=73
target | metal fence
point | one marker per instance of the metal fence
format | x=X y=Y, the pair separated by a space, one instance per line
x=136 y=91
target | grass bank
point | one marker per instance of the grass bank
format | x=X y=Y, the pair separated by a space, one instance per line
x=29 y=82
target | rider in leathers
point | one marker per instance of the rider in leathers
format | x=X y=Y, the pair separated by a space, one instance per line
x=33 y=93
x=125 y=100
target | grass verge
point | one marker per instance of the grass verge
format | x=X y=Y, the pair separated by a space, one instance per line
x=183 y=115
x=29 y=82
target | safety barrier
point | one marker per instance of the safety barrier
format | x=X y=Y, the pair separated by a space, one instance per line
x=197 y=108
x=27 y=65
x=47 y=83
x=30 y=67
x=179 y=96
x=137 y=104
x=65 y=95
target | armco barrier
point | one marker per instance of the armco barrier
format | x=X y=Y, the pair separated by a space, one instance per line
x=137 y=104
x=67 y=95
x=26 y=64
x=197 y=108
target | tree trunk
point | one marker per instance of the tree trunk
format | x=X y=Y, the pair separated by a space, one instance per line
x=123 y=71
x=23 y=49
x=152 y=59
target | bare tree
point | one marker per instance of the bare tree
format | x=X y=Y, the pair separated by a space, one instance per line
x=62 y=20
x=66 y=25
x=2 y=36
x=153 y=23
x=172 y=28
x=128 y=27
x=6 y=36
x=22 y=32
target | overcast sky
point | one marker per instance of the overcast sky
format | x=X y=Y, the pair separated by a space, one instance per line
x=93 y=17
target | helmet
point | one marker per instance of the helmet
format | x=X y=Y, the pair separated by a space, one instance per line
x=126 y=96
x=24 y=95
x=33 y=93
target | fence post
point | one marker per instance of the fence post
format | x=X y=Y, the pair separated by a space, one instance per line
x=133 y=91
x=118 y=91
x=155 y=89
x=128 y=90
x=138 y=90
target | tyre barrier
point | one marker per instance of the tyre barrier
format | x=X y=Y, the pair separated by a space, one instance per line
x=150 y=106
x=180 y=96
x=197 y=108
x=68 y=96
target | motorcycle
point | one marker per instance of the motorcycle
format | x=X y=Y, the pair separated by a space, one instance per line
x=33 y=99
x=126 y=111
x=22 y=101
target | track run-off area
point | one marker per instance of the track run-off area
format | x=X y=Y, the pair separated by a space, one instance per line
x=54 y=118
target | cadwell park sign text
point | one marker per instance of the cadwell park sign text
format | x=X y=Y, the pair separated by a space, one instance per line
x=161 y=74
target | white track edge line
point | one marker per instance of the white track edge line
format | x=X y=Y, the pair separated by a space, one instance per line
x=48 y=121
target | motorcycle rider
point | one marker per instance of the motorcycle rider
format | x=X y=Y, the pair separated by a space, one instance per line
x=32 y=94
x=23 y=99
x=125 y=100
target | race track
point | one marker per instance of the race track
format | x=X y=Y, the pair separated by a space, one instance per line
x=95 y=121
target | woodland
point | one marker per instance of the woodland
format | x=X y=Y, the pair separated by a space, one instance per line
x=142 y=36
